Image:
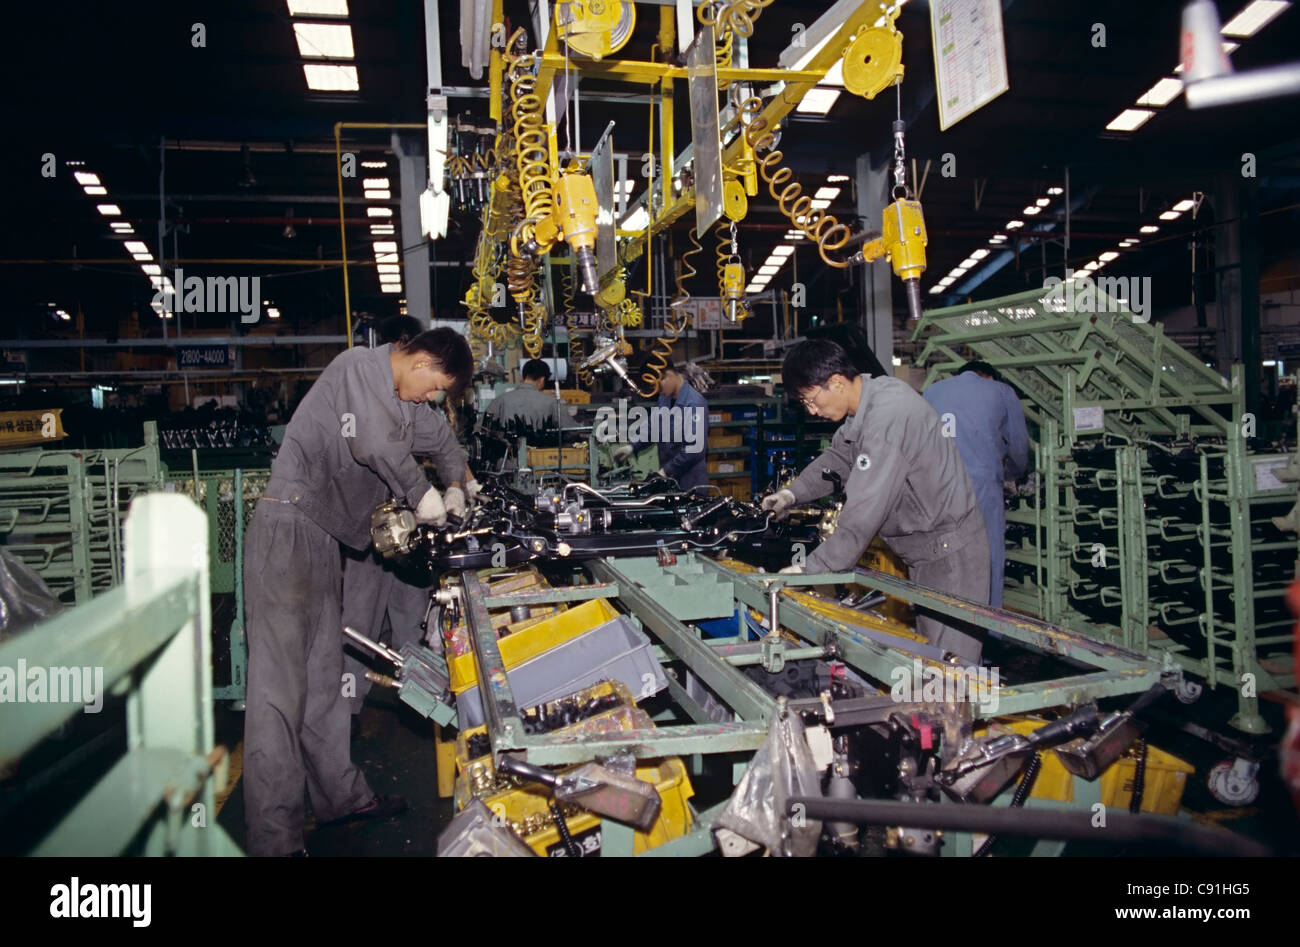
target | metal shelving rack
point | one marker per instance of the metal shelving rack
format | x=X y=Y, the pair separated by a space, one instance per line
x=1149 y=524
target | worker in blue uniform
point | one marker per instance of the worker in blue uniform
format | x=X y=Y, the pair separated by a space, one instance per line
x=681 y=432
x=984 y=416
x=347 y=448
x=902 y=480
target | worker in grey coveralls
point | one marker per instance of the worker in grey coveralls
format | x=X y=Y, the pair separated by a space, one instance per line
x=684 y=440
x=902 y=479
x=985 y=418
x=346 y=449
x=528 y=404
x=374 y=590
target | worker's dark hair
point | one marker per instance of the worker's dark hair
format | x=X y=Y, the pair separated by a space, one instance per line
x=850 y=337
x=811 y=363
x=398 y=330
x=981 y=368
x=450 y=352
x=535 y=368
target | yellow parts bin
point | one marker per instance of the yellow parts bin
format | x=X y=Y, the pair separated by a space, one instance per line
x=529 y=643
x=1166 y=775
x=549 y=458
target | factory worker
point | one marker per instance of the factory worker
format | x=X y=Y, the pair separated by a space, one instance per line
x=346 y=449
x=902 y=480
x=679 y=426
x=528 y=405
x=375 y=591
x=985 y=418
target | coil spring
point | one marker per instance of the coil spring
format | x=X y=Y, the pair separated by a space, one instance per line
x=723 y=256
x=577 y=345
x=710 y=14
x=531 y=151
x=820 y=227
x=677 y=321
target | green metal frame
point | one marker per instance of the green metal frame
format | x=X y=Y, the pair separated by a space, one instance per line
x=150 y=636
x=1151 y=391
x=1118 y=671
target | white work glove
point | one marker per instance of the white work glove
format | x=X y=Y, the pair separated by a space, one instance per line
x=792 y=570
x=778 y=503
x=472 y=490
x=660 y=473
x=622 y=453
x=454 y=501
x=431 y=509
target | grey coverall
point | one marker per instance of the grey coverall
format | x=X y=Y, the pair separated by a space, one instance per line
x=904 y=480
x=373 y=590
x=528 y=406
x=989 y=428
x=685 y=458
x=347 y=447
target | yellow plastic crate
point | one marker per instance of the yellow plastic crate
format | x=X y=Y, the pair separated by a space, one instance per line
x=529 y=643
x=726 y=440
x=575 y=396
x=550 y=457
x=1166 y=775
x=527 y=810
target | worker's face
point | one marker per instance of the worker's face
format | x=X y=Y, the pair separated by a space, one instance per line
x=830 y=401
x=422 y=379
x=671 y=384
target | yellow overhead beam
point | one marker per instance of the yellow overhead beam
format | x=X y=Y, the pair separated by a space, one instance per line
x=638 y=71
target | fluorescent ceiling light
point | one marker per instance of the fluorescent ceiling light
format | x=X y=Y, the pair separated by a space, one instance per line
x=151 y=269
x=1182 y=206
x=969 y=262
x=979 y=254
x=958 y=271
x=94 y=190
x=769 y=269
x=755 y=288
x=1228 y=49
x=1149 y=228
x=827 y=193
x=1170 y=215
x=324 y=40
x=1015 y=224
x=376 y=195
x=795 y=235
x=385 y=246
x=818 y=101
x=1055 y=191
x=1043 y=201
x=156 y=282
x=1129 y=120
x=85 y=177
x=819 y=205
x=388 y=268
x=318 y=7
x=379 y=212
x=1108 y=256
x=1162 y=93
x=136 y=246
x=143 y=257
x=272 y=313
x=109 y=210
x=120 y=225
x=1094 y=265
x=390 y=287
x=1254 y=17
x=323 y=77
x=838 y=178
x=998 y=238
x=627 y=186
x=782 y=251
x=381 y=230
x=380 y=183
x=1032 y=209
x=637 y=220
x=374 y=164
x=936 y=289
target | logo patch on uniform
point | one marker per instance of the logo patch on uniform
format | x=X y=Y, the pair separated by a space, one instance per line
x=864 y=462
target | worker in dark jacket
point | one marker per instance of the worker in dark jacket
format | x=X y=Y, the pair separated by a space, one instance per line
x=346 y=449
x=681 y=431
x=902 y=480
x=986 y=420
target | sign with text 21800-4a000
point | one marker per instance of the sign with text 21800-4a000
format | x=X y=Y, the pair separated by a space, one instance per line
x=203 y=356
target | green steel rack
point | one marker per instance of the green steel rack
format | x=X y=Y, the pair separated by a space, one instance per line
x=1149 y=524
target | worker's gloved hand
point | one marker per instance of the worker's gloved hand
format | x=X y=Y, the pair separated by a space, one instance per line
x=431 y=509
x=779 y=503
x=472 y=490
x=622 y=452
x=454 y=501
x=792 y=570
